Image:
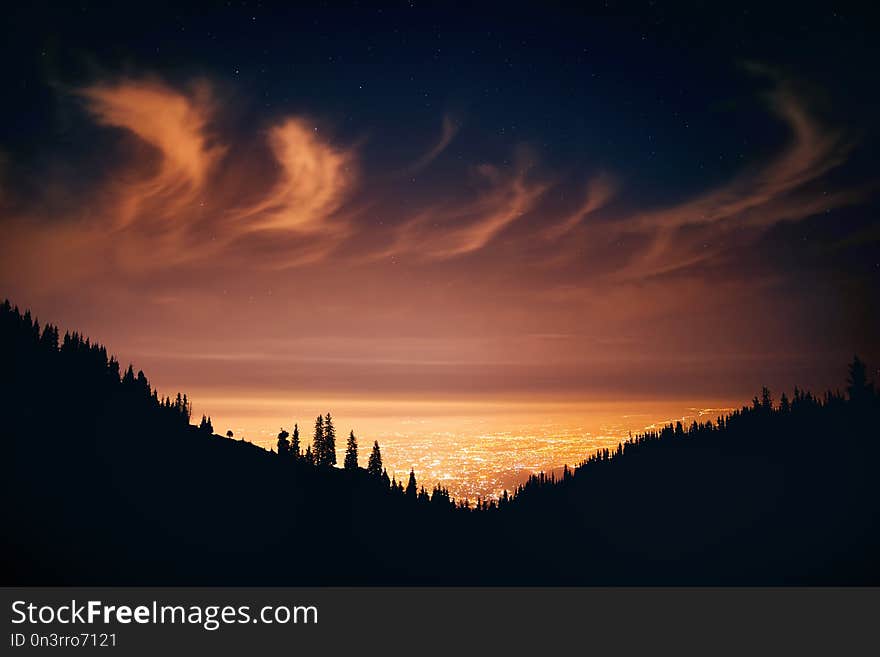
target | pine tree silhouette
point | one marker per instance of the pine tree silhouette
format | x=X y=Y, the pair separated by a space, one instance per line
x=766 y=399
x=294 y=443
x=411 y=485
x=374 y=464
x=283 y=443
x=317 y=451
x=351 y=453
x=205 y=424
x=858 y=387
x=329 y=456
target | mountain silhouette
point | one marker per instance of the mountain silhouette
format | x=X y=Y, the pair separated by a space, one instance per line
x=108 y=483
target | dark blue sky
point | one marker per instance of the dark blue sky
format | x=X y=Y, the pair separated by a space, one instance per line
x=625 y=86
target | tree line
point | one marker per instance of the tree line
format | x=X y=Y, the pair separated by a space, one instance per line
x=137 y=400
x=321 y=453
x=86 y=365
x=781 y=491
x=764 y=423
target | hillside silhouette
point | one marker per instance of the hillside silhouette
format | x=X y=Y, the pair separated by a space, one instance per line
x=108 y=482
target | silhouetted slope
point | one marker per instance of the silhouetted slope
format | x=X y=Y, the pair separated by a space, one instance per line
x=768 y=496
x=107 y=483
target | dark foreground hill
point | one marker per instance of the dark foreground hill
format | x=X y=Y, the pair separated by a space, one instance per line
x=107 y=483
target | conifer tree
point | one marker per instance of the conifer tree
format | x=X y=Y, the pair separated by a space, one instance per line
x=113 y=369
x=142 y=384
x=411 y=489
x=351 y=453
x=283 y=444
x=294 y=443
x=858 y=387
x=318 y=441
x=374 y=464
x=766 y=399
x=784 y=404
x=329 y=442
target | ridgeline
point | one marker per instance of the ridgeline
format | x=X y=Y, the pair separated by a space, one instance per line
x=108 y=483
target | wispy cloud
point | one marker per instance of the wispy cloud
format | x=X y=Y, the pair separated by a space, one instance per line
x=812 y=152
x=186 y=199
x=688 y=233
x=168 y=204
x=194 y=245
x=600 y=190
x=173 y=123
x=455 y=229
x=450 y=129
x=315 y=179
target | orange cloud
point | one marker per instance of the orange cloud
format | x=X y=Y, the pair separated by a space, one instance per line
x=811 y=153
x=314 y=181
x=169 y=204
x=450 y=129
x=756 y=199
x=171 y=122
x=600 y=191
x=182 y=201
x=457 y=229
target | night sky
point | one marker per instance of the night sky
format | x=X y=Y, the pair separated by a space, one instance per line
x=490 y=203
